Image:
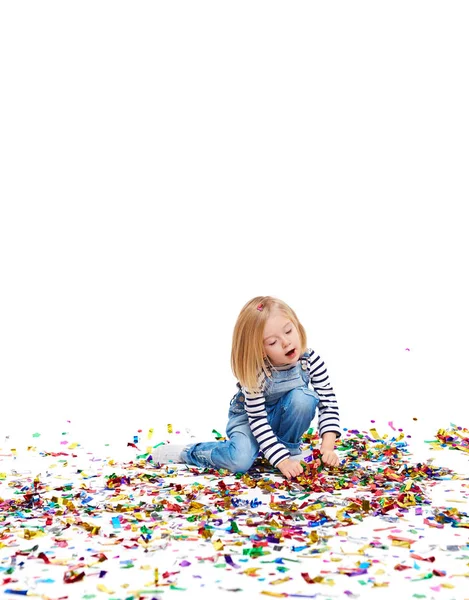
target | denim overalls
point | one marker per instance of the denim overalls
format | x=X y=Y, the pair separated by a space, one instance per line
x=290 y=405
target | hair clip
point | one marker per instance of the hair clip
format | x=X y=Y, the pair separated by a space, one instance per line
x=260 y=306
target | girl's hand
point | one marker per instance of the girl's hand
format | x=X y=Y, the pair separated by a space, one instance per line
x=329 y=457
x=290 y=468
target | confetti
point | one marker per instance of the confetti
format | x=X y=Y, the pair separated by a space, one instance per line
x=180 y=528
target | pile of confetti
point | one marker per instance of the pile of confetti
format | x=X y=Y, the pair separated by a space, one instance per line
x=77 y=525
x=456 y=437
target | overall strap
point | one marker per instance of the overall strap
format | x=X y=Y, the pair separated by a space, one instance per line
x=304 y=371
x=304 y=362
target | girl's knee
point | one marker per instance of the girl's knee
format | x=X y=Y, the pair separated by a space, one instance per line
x=301 y=402
x=242 y=457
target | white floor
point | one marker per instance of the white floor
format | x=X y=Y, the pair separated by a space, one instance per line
x=101 y=534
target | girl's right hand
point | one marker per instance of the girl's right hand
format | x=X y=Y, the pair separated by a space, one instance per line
x=290 y=468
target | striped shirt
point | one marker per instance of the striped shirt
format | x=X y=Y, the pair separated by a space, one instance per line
x=328 y=410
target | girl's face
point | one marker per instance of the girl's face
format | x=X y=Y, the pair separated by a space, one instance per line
x=281 y=340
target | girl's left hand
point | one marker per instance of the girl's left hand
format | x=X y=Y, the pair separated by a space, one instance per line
x=329 y=457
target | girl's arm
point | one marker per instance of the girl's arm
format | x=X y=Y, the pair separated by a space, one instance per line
x=273 y=450
x=328 y=409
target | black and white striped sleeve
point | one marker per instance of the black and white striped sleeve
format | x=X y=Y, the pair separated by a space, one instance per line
x=273 y=450
x=328 y=409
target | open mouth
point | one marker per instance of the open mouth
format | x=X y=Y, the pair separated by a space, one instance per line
x=291 y=353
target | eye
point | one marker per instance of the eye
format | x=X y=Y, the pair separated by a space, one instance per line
x=289 y=331
x=272 y=344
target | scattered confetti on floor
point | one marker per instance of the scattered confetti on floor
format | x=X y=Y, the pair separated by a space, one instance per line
x=81 y=524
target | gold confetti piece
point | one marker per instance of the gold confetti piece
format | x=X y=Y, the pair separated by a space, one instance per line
x=150 y=433
x=278 y=581
x=103 y=588
x=156 y=576
x=217 y=544
x=28 y=534
x=196 y=507
x=400 y=543
x=252 y=571
x=374 y=433
x=207 y=534
x=314 y=537
x=170 y=428
x=312 y=507
x=71 y=446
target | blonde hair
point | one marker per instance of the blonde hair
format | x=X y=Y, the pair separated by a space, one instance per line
x=247 y=350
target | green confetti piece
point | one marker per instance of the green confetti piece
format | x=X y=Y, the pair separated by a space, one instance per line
x=36 y=435
x=253 y=551
x=234 y=527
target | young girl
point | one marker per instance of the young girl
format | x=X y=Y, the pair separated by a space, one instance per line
x=281 y=382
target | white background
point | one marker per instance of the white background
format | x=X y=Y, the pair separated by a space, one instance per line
x=163 y=163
